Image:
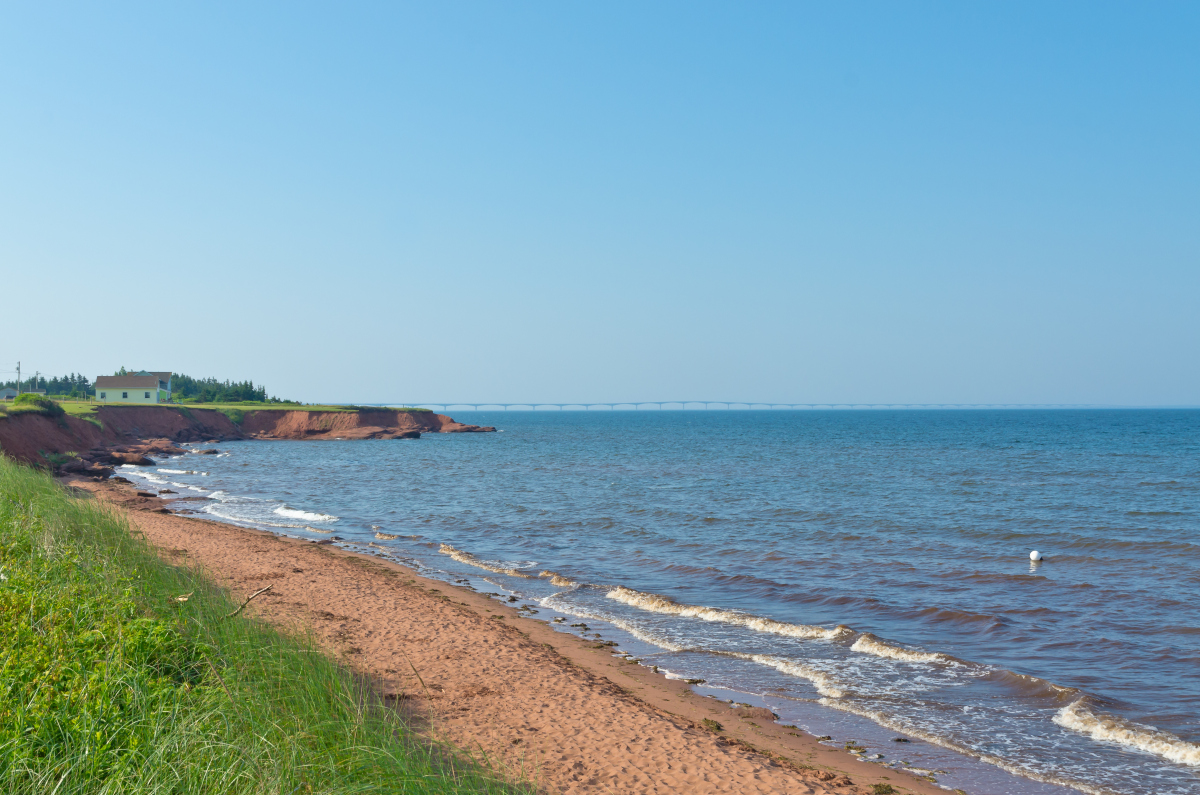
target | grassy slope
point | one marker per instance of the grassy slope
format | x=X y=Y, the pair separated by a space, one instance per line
x=109 y=683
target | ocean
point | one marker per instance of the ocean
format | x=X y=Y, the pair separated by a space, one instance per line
x=865 y=574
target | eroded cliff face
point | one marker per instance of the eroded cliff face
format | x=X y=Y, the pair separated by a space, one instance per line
x=35 y=438
x=367 y=424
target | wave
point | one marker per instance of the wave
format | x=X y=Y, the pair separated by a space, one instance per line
x=920 y=733
x=1077 y=717
x=826 y=684
x=558 y=580
x=231 y=516
x=551 y=603
x=660 y=604
x=869 y=644
x=315 y=529
x=471 y=560
x=308 y=516
x=178 y=471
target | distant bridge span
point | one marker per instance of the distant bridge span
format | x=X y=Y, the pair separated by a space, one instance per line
x=739 y=405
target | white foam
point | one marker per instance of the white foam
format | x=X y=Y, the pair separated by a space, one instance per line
x=826 y=684
x=471 y=560
x=915 y=730
x=551 y=603
x=178 y=471
x=308 y=516
x=558 y=580
x=869 y=644
x=661 y=604
x=1077 y=717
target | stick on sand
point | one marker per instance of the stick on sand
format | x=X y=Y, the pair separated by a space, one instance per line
x=248 y=598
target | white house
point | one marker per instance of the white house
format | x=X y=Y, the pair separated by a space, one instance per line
x=139 y=387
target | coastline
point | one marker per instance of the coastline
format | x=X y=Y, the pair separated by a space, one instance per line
x=536 y=703
x=113 y=435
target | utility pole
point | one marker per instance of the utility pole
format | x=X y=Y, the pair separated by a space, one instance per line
x=18 y=378
x=36 y=373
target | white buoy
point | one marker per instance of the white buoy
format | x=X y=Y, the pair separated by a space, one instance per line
x=1035 y=555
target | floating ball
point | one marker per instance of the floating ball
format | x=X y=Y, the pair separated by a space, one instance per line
x=1035 y=555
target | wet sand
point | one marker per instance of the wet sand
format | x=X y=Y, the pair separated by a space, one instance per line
x=533 y=703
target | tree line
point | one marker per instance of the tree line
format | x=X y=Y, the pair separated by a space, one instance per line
x=183 y=388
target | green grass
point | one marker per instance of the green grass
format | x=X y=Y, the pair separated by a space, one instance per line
x=109 y=683
x=31 y=404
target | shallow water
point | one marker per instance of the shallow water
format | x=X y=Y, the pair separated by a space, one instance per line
x=864 y=573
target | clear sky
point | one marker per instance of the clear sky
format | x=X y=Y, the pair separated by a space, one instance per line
x=502 y=201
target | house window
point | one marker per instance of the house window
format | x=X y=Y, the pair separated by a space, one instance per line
x=125 y=395
x=147 y=396
x=104 y=396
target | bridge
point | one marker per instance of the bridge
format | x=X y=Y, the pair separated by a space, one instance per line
x=738 y=405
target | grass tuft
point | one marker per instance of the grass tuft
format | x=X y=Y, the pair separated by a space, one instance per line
x=120 y=674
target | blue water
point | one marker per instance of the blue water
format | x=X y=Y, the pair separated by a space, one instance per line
x=886 y=554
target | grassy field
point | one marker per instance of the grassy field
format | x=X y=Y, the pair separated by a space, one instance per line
x=120 y=673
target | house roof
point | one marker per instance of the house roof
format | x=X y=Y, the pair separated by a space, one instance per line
x=165 y=377
x=127 y=382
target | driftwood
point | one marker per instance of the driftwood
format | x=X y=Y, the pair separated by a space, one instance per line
x=248 y=598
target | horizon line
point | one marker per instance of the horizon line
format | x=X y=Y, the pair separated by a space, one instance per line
x=739 y=405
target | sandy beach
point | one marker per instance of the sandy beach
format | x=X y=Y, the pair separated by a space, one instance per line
x=534 y=703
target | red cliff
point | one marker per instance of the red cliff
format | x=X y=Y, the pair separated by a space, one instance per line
x=35 y=438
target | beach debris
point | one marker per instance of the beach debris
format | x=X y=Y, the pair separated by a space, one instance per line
x=183 y=598
x=901 y=740
x=695 y=681
x=248 y=598
x=386 y=536
x=711 y=725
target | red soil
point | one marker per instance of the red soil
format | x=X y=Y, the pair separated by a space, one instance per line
x=32 y=437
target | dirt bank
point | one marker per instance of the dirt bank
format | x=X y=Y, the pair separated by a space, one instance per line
x=37 y=439
x=362 y=424
x=564 y=712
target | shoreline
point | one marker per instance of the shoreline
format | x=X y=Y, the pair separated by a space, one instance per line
x=112 y=435
x=547 y=705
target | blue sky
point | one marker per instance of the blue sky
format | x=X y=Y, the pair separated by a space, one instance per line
x=870 y=202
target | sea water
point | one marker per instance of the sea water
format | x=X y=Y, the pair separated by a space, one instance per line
x=865 y=574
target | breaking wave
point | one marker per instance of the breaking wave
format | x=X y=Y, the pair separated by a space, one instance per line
x=558 y=580
x=1077 y=717
x=640 y=633
x=660 y=604
x=471 y=560
x=826 y=684
x=921 y=733
x=869 y=644
x=178 y=471
x=307 y=516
